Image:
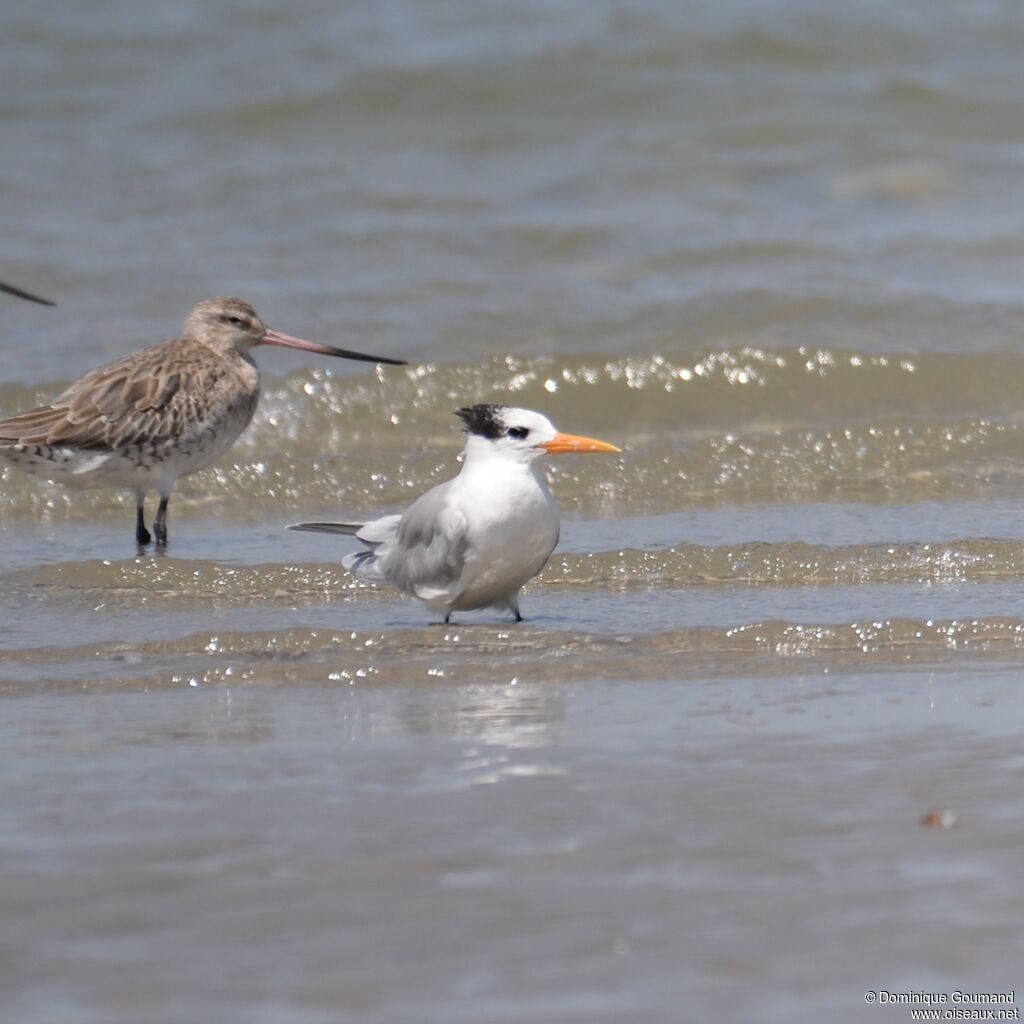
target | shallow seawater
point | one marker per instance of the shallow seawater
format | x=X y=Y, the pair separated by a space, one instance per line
x=772 y=250
x=608 y=849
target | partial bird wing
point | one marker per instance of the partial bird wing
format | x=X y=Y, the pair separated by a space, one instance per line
x=429 y=553
x=146 y=398
x=22 y=294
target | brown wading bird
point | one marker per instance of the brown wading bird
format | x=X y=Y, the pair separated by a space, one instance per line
x=156 y=415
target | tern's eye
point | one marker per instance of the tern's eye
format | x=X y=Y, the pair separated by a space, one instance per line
x=518 y=432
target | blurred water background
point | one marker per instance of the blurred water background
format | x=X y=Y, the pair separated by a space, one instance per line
x=771 y=247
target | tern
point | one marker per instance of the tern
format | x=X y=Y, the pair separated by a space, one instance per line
x=157 y=415
x=474 y=541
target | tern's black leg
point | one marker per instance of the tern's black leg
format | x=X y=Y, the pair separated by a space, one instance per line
x=160 y=526
x=142 y=536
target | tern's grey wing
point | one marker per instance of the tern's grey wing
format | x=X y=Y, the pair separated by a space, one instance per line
x=377 y=531
x=429 y=553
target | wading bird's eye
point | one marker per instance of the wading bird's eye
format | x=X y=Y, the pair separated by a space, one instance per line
x=236 y=320
x=518 y=432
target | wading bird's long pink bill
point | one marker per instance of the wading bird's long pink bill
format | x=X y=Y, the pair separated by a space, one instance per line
x=561 y=443
x=287 y=341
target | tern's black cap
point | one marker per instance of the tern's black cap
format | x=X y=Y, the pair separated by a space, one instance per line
x=483 y=420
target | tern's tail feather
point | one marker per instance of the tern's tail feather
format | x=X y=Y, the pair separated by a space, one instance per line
x=364 y=565
x=346 y=528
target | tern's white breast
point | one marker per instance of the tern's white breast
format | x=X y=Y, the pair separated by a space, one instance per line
x=512 y=528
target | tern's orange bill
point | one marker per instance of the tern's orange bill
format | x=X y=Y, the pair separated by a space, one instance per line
x=574 y=443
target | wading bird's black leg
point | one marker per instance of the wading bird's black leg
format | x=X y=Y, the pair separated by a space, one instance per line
x=448 y=618
x=519 y=617
x=142 y=536
x=160 y=526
